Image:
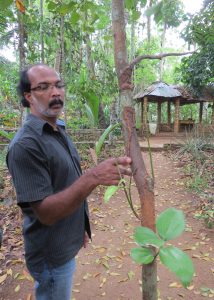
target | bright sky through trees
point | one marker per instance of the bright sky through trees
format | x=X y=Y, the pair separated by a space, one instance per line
x=191 y=6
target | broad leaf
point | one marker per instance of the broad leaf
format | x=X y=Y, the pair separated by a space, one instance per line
x=145 y=236
x=110 y=191
x=103 y=137
x=93 y=102
x=170 y=224
x=178 y=262
x=90 y=115
x=142 y=255
x=75 y=17
x=5 y=4
x=135 y=15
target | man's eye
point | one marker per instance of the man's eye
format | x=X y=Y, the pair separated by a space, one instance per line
x=60 y=85
x=43 y=87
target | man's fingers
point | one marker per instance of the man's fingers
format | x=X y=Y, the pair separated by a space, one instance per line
x=124 y=171
x=123 y=160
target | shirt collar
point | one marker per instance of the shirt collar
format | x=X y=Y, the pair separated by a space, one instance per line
x=36 y=123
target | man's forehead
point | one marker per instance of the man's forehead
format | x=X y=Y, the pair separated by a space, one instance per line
x=41 y=73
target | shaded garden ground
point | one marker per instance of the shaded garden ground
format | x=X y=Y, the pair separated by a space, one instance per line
x=105 y=269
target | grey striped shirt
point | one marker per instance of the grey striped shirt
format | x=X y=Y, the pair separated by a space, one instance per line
x=43 y=162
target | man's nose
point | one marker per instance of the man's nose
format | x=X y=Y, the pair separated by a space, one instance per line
x=54 y=90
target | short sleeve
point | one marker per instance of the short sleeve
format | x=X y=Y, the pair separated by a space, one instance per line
x=30 y=173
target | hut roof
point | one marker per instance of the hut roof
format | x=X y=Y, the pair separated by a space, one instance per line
x=161 y=91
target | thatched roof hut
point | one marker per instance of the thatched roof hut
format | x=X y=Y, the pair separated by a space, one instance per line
x=160 y=92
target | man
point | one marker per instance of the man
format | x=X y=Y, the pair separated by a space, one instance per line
x=50 y=188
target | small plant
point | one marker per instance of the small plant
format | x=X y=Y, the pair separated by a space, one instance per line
x=170 y=224
x=206 y=213
x=197 y=183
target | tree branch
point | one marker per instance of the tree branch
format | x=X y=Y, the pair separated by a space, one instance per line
x=157 y=56
x=125 y=76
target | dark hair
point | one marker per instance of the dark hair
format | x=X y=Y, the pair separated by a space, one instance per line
x=24 y=84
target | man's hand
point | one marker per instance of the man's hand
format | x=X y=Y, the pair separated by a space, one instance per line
x=109 y=171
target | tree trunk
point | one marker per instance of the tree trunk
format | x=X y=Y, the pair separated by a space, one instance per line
x=41 y=32
x=201 y=112
x=149 y=24
x=92 y=76
x=143 y=182
x=163 y=38
x=60 y=60
x=21 y=48
x=90 y=62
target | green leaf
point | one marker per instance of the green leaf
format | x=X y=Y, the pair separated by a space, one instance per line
x=110 y=191
x=103 y=137
x=135 y=15
x=129 y=4
x=52 y=6
x=170 y=224
x=142 y=255
x=90 y=115
x=103 y=22
x=145 y=236
x=75 y=17
x=5 y=4
x=93 y=102
x=178 y=262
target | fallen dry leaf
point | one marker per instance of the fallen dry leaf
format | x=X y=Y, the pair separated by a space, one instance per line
x=2 y=278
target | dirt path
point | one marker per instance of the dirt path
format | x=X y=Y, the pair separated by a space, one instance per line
x=105 y=269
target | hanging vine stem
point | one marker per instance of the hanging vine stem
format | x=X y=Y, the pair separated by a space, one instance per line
x=127 y=192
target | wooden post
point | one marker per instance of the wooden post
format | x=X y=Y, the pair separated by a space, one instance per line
x=177 y=115
x=141 y=120
x=200 y=112
x=159 y=116
x=145 y=117
x=169 y=114
x=212 y=121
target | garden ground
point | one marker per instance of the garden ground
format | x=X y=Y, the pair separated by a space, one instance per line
x=105 y=269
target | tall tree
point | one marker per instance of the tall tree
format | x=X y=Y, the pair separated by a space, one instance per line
x=42 y=32
x=143 y=182
x=197 y=71
x=167 y=13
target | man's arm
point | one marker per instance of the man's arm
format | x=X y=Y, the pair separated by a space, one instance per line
x=58 y=206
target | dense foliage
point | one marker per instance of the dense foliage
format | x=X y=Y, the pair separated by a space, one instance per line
x=76 y=38
x=198 y=70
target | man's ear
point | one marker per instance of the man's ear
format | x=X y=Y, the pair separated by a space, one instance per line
x=28 y=97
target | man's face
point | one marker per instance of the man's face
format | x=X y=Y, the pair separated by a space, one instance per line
x=46 y=97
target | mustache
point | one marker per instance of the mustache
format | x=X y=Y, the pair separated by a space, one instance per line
x=56 y=101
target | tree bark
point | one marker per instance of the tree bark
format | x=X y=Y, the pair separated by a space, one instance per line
x=143 y=182
x=161 y=67
x=41 y=32
x=92 y=76
x=149 y=24
x=22 y=58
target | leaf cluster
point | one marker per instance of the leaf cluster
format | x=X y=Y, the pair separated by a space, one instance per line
x=197 y=70
x=170 y=224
